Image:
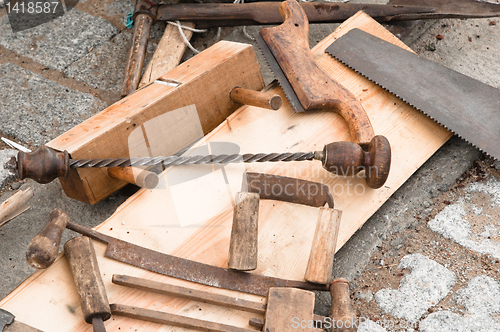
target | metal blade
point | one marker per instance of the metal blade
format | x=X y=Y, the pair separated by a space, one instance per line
x=452 y=8
x=462 y=104
x=189 y=270
x=280 y=75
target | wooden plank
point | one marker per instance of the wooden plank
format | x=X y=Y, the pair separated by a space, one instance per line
x=168 y=53
x=138 y=125
x=154 y=219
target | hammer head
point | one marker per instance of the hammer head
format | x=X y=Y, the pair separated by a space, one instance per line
x=6 y=318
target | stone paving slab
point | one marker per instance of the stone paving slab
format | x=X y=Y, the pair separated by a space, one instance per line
x=426 y=285
x=61 y=42
x=34 y=109
x=473 y=221
x=104 y=67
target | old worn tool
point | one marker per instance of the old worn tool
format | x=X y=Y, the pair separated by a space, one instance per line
x=345 y=158
x=309 y=88
x=144 y=16
x=243 y=247
x=44 y=247
x=244 y=233
x=176 y=267
x=207 y=15
x=460 y=103
x=255 y=98
x=345 y=319
x=283 y=306
x=342 y=313
x=89 y=285
x=8 y=323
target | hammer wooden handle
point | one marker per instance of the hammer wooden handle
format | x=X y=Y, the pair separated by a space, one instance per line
x=89 y=285
x=289 y=43
x=44 y=247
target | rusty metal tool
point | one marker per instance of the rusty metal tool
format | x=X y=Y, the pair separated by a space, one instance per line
x=309 y=88
x=462 y=104
x=8 y=323
x=283 y=304
x=346 y=158
x=169 y=265
x=82 y=260
x=341 y=305
x=208 y=15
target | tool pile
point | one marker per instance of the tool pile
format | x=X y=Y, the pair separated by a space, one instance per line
x=309 y=90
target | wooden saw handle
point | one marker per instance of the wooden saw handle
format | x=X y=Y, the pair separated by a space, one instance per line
x=289 y=43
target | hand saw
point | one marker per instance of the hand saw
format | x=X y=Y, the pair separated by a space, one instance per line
x=467 y=107
x=309 y=88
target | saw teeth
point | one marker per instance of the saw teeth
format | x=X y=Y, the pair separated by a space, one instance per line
x=278 y=73
x=420 y=110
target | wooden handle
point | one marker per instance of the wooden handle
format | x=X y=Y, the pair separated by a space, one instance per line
x=42 y=165
x=137 y=52
x=342 y=311
x=44 y=247
x=255 y=98
x=320 y=264
x=89 y=285
x=135 y=175
x=289 y=43
x=348 y=159
x=244 y=233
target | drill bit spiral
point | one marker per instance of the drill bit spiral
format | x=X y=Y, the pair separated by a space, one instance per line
x=192 y=160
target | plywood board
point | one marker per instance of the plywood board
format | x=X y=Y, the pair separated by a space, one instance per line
x=192 y=218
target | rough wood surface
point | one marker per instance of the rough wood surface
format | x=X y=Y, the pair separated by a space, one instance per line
x=244 y=232
x=14 y=205
x=44 y=247
x=285 y=306
x=159 y=119
x=196 y=222
x=168 y=53
x=320 y=265
x=82 y=261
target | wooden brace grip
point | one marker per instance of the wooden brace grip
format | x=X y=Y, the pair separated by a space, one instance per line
x=289 y=43
x=42 y=165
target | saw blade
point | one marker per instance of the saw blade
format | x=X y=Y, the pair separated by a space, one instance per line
x=280 y=75
x=469 y=108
